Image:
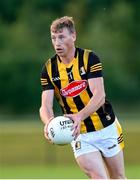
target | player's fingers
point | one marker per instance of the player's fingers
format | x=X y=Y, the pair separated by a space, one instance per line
x=46 y=136
x=76 y=131
x=45 y=127
x=76 y=135
x=46 y=133
x=75 y=124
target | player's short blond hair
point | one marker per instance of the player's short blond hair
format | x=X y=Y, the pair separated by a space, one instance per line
x=63 y=22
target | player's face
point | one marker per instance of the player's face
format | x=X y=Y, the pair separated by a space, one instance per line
x=63 y=42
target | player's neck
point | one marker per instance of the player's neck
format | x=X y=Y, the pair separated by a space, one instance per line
x=67 y=59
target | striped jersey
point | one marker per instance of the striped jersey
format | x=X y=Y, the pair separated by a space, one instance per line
x=70 y=84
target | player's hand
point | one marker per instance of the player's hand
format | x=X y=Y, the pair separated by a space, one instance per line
x=77 y=123
x=46 y=133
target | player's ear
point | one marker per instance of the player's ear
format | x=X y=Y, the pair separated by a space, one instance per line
x=74 y=36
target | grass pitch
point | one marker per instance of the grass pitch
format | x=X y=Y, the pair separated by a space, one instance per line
x=56 y=172
x=24 y=153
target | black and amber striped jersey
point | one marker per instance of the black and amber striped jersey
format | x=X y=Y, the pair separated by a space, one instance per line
x=70 y=84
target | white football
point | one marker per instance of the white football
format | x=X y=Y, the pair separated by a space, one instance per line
x=59 y=130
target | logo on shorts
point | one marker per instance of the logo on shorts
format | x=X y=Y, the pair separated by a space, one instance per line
x=77 y=145
x=114 y=145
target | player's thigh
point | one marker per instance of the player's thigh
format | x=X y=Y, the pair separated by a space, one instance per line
x=92 y=163
x=115 y=164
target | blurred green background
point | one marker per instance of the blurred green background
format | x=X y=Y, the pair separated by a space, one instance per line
x=110 y=28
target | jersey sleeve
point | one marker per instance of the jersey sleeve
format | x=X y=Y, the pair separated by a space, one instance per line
x=94 y=67
x=45 y=79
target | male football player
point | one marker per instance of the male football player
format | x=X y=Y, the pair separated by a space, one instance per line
x=74 y=76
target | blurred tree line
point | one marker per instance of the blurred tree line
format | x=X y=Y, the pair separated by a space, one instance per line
x=111 y=28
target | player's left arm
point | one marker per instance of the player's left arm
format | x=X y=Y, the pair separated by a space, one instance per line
x=96 y=86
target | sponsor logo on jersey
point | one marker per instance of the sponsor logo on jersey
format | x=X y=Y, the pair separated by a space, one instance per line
x=74 y=88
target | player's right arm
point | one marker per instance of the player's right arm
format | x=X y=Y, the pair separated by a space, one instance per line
x=46 y=109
